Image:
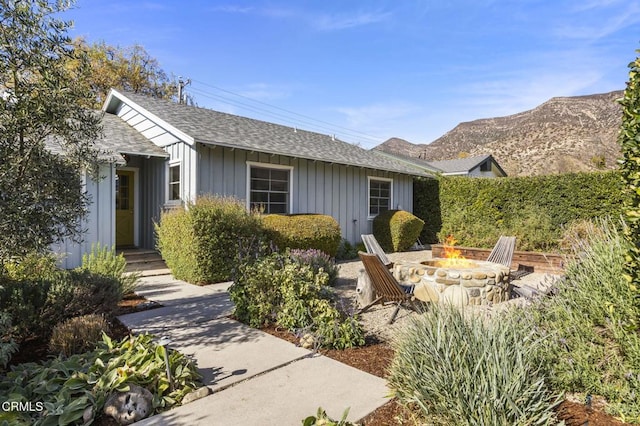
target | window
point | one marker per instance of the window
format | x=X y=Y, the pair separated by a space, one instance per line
x=380 y=195
x=486 y=166
x=174 y=182
x=269 y=189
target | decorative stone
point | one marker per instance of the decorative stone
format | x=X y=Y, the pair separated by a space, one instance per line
x=454 y=275
x=441 y=273
x=426 y=293
x=479 y=276
x=129 y=407
x=196 y=394
x=491 y=274
x=447 y=281
x=474 y=292
x=456 y=296
x=431 y=271
x=365 y=293
x=415 y=278
x=466 y=276
x=420 y=272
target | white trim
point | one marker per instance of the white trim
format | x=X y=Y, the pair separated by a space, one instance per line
x=269 y=166
x=136 y=203
x=147 y=114
x=167 y=177
x=383 y=179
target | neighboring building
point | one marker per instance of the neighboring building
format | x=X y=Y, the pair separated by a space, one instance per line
x=481 y=166
x=171 y=153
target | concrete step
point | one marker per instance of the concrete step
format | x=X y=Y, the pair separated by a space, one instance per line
x=144 y=261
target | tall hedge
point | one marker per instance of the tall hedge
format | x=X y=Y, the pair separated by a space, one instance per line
x=397 y=230
x=201 y=244
x=534 y=209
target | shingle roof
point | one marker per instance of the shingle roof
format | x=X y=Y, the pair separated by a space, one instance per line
x=121 y=138
x=216 y=128
x=459 y=165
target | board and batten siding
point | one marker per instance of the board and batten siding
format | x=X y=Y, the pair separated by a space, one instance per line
x=100 y=224
x=317 y=187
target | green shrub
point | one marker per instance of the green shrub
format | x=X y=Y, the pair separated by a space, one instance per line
x=594 y=343
x=348 y=251
x=33 y=266
x=303 y=231
x=67 y=387
x=201 y=244
x=321 y=418
x=397 y=230
x=277 y=289
x=318 y=260
x=78 y=334
x=426 y=205
x=468 y=370
x=8 y=345
x=36 y=306
x=105 y=261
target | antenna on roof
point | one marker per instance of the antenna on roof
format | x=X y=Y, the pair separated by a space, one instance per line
x=181 y=86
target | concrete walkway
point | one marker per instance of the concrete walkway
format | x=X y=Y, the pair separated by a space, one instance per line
x=255 y=378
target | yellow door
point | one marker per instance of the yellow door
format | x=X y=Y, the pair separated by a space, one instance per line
x=124 y=208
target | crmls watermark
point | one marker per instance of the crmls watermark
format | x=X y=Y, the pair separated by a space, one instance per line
x=22 y=406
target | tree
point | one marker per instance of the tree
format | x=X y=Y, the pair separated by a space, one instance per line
x=46 y=134
x=629 y=139
x=130 y=68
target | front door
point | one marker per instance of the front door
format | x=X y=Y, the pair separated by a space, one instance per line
x=124 y=208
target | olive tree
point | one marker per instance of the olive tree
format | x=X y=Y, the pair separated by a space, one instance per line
x=47 y=133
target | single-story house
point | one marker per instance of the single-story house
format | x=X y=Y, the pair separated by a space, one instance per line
x=170 y=153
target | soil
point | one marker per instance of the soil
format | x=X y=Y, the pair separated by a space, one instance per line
x=375 y=358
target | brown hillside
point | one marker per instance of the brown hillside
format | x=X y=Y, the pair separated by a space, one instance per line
x=565 y=134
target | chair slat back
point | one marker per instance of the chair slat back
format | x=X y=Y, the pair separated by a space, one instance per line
x=373 y=247
x=382 y=280
x=502 y=252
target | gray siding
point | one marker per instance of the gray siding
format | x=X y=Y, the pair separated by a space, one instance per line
x=99 y=223
x=317 y=187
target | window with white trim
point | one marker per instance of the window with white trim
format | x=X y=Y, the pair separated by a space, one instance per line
x=269 y=189
x=174 y=182
x=380 y=195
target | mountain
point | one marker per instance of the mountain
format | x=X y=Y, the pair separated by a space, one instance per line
x=564 y=134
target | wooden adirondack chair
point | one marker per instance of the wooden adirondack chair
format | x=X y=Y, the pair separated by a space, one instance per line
x=386 y=286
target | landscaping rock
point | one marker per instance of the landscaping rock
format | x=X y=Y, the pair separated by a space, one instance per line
x=129 y=407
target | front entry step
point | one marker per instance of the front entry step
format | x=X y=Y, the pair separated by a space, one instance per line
x=145 y=262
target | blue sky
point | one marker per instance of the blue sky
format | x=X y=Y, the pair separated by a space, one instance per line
x=370 y=70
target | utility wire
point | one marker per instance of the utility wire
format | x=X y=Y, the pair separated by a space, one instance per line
x=306 y=120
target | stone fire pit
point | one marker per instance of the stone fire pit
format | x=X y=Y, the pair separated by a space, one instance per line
x=463 y=283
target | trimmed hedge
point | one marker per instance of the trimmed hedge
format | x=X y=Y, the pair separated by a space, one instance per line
x=203 y=243
x=534 y=209
x=303 y=231
x=397 y=230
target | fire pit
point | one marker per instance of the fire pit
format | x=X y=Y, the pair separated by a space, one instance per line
x=462 y=282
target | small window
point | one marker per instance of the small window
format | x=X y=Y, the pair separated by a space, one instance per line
x=174 y=182
x=269 y=189
x=379 y=196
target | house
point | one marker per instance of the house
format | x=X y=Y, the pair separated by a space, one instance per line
x=169 y=154
x=480 y=166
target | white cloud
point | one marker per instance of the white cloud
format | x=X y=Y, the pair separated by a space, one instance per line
x=341 y=22
x=602 y=25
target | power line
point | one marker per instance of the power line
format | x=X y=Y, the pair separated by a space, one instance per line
x=288 y=116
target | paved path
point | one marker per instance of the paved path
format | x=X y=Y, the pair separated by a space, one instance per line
x=255 y=378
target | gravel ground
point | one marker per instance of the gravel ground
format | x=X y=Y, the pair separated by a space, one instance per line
x=374 y=320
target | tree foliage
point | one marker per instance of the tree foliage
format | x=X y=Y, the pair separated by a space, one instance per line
x=629 y=139
x=129 y=68
x=46 y=135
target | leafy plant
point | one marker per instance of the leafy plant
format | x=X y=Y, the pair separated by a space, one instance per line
x=279 y=290
x=318 y=260
x=322 y=419
x=593 y=344
x=397 y=230
x=77 y=335
x=67 y=387
x=303 y=231
x=103 y=260
x=469 y=370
